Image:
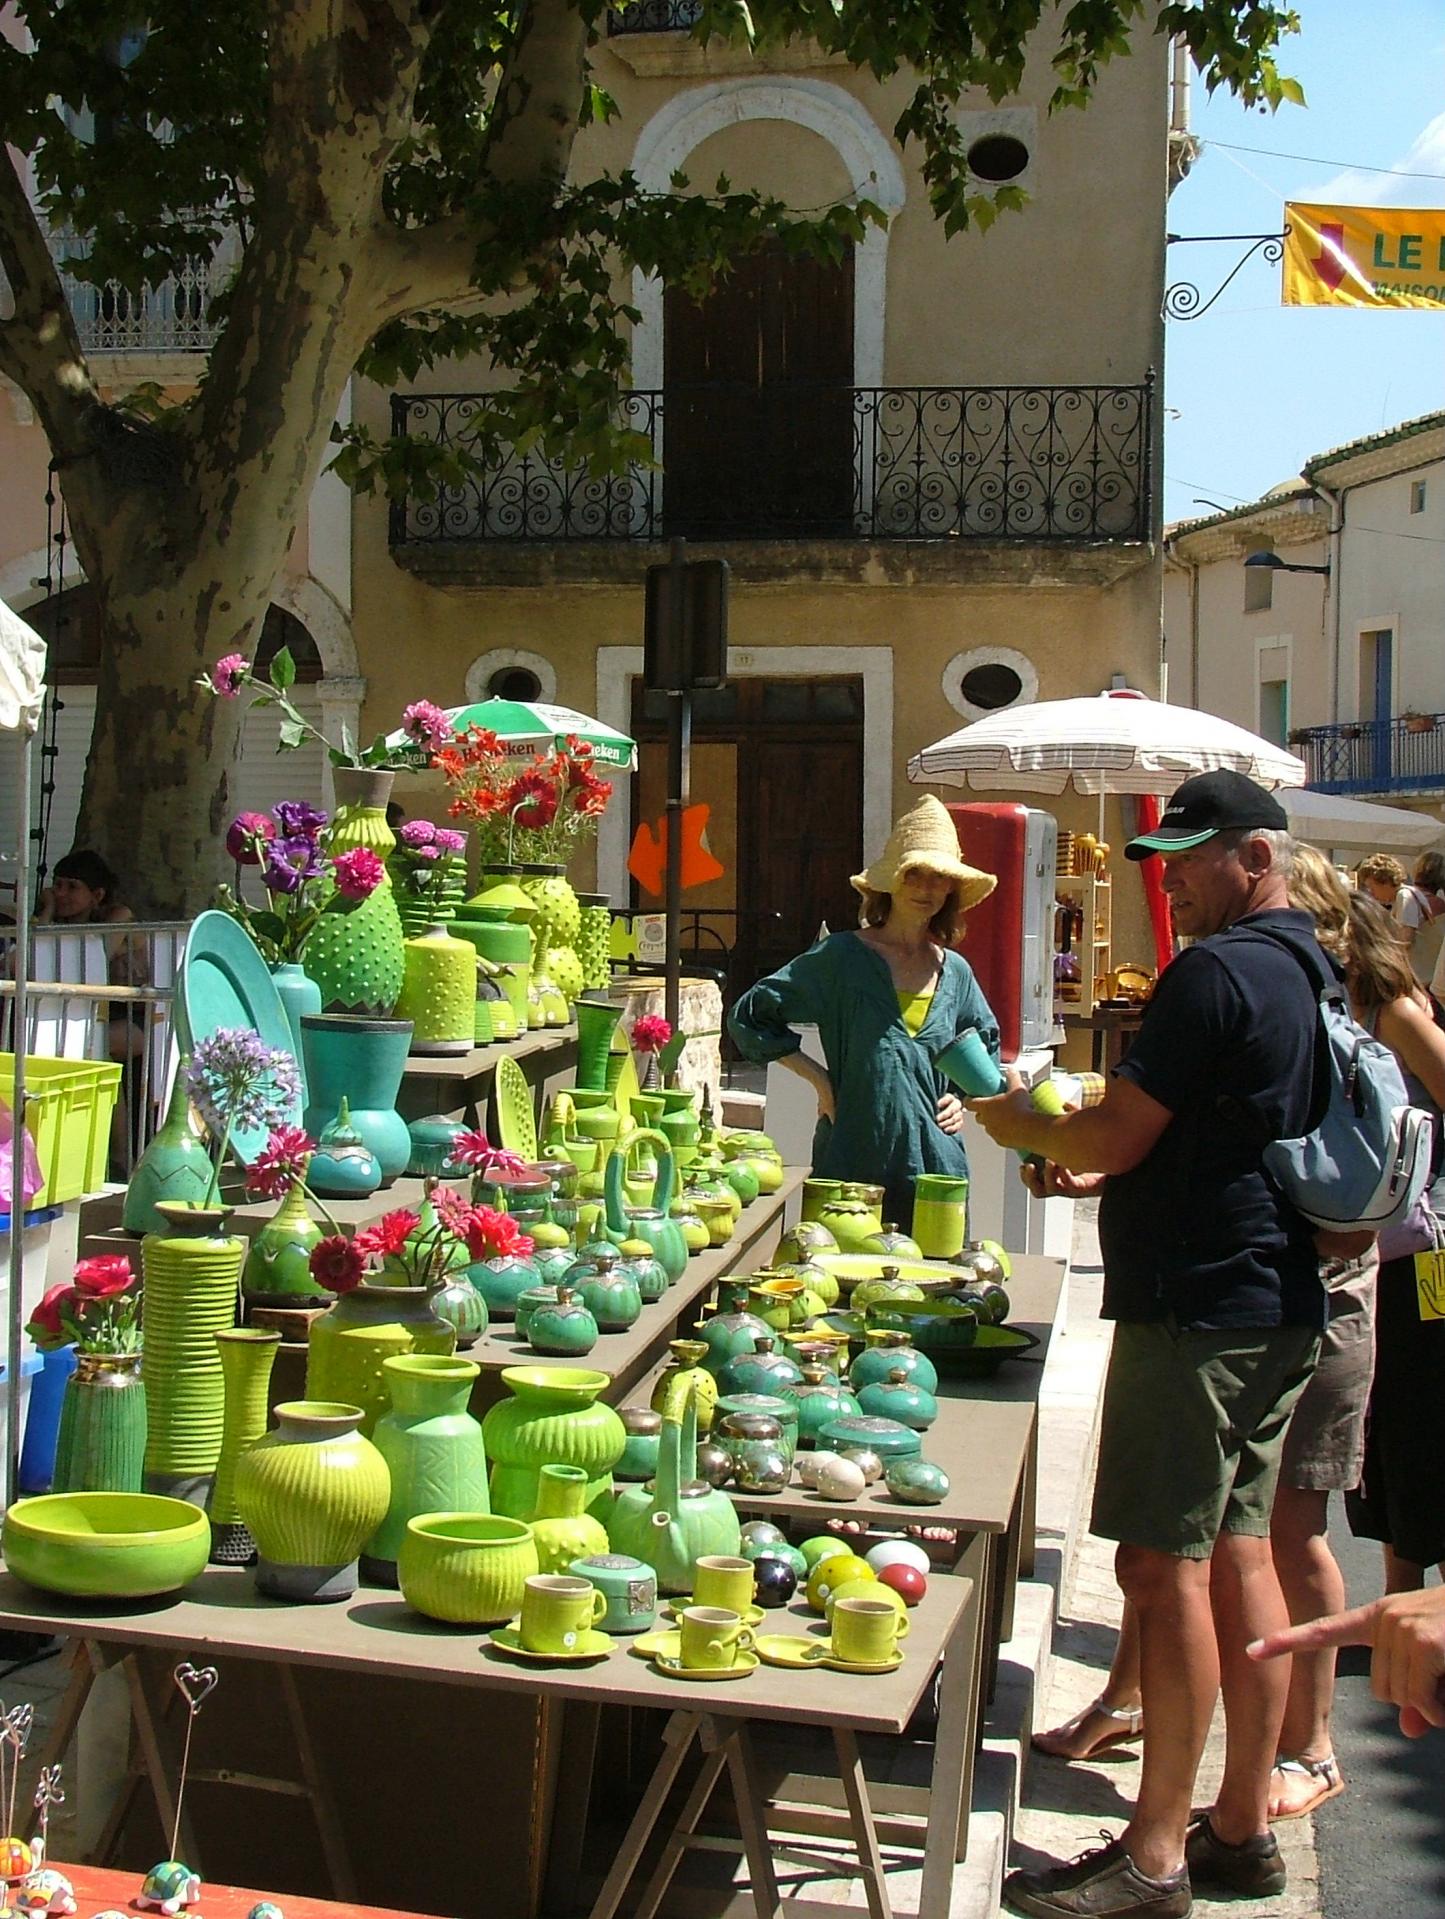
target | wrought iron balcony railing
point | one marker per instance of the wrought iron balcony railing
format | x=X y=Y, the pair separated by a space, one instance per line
x=654 y=16
x=814 y=462
x=174 y=317
x=1376 y=756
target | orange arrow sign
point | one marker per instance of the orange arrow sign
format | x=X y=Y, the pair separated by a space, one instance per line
x=647 y=862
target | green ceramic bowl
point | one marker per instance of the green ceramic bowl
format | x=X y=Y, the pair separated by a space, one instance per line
x=106 y=1545
x=993 y=1346
x=930 y=1276
x=469 y=1569
x=937 y=1326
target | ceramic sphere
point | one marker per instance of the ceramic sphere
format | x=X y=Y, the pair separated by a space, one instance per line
x=265 y=1910
x=776 y=1582
x=917 y=1482
x=838 y=1571
x=905 y=1580
x=810 y=1464
x=823 y=1546
x=867 y=1462
x=714 y=1462
x=898 y=1552
x=761 y=1532
x=839 y=1479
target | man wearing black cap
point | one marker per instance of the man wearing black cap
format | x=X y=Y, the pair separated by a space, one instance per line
x=1213 y=1280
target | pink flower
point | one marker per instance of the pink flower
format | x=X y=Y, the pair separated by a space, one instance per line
x=416 y=833
x=229 y=675
x=336 y=1263
x=282 y=1160
x=358 y=873
x=103 y=1276
x=449 y=842
x=426 y=724
x=650 y=1033
x=247 y=837
x=390 y=1233
x=476 y=1151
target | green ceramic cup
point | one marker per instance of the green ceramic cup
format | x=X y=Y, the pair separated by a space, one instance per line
x=721 y=1580
x=557 y=1608
x=867 y=1631
x=712 y=1637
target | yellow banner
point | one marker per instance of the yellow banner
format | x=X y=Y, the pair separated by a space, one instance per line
x=1364 y=256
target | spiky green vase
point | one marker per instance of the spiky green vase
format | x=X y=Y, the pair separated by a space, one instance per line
x=356 y=955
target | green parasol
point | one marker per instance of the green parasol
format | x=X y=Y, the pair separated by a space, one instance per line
x=532 y=725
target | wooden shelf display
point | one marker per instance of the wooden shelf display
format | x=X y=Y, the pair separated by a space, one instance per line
x=1092 y=894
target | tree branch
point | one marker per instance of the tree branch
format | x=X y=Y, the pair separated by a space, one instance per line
x=40 y=349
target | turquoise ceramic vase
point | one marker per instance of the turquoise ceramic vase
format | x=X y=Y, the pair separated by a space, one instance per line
x=102 y=1442
x=343 y=1165
x=175 y=1168
x=433 y=1450
x=299 y=995
x=361 y=1061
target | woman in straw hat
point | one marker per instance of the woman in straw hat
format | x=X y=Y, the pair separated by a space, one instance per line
x=886 y=1001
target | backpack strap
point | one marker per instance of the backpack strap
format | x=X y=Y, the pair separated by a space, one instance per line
x=1327 y=982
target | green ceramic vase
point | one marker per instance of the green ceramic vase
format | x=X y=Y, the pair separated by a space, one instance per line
x=355 y=955
x=360 y=1061
x=277 y=1271
x=102 y=1440
x=190 y=1276
x=433 y=1450
x=312 y=1493
x=561 y=1527
x=596 y=1023
x=349 y=1346
x=247 y=1355
x=552 y=1419
x=439 y=992
x=174 y=1168
x=594 y=942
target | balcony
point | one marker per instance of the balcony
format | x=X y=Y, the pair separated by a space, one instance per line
x=1025 y=465
x=654 y=16
x=173 y=317
x=1377 y=756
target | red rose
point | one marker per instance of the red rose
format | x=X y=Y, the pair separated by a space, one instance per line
x=45 y=1327
x=336 y=1263
x=389 y=1235
x=104 y=1276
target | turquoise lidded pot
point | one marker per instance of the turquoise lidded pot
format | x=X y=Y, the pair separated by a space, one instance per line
x=563 y=1328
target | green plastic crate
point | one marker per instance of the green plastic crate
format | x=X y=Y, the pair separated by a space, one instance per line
x=69 y=1103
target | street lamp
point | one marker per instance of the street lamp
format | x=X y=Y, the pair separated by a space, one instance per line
x=1277 y=565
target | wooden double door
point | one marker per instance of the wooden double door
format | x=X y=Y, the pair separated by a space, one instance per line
x=780 y=765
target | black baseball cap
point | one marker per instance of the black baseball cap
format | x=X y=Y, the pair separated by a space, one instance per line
x=1210 y=803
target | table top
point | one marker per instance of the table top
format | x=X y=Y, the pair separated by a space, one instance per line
x=483 y=1059
x=97 y=1888
x=220 y=1615
x=1033 y=1292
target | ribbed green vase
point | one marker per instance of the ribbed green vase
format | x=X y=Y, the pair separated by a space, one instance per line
x=433 y=1450
x=102 y=1440
x=247 y=1355
x=312 y=1493
x=348 y=1346
x=191 y=1276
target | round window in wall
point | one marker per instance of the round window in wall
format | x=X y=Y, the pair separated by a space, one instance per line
x=997 y=157
x=986 y=679
x=514 y=683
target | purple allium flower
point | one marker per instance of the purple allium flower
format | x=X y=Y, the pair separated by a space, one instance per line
x=235 y=1079
x=298 y=819
x=417 y=833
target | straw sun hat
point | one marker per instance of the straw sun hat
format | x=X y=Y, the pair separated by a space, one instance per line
x=925 y=837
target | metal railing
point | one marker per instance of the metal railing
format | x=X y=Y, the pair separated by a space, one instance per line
x=1376 y=756
x=103 y=992
x=654 y=16
x=811 y=462
x=172 y=317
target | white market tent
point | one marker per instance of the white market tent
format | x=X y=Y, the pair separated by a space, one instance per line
x=22 y=693
x=1331 y=820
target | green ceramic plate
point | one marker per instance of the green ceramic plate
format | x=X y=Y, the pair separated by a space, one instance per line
x=516 y=1118
x=936 y=1325
x=222 y=981
x=850 y=1269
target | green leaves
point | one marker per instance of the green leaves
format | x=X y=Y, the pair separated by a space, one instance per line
x=283 y=669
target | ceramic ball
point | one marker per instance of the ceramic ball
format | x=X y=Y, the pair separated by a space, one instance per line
x=905 y=1580
x=714 y=1462
x=867 y=1462
x=821 y=1545
x=839 y=1479
x=111 y=1912
x=898 y=1552
x=810 y=1464
x=832 y=1573
x=775 y=1582
x=793 y=1558
x=761 y=1532
x=917 y=1482
x=265 y=1910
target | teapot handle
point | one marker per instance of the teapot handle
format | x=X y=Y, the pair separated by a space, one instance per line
x=666 y=1164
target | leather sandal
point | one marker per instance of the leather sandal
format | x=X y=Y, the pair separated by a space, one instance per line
x=1325 y=1773
x=1128 y=1724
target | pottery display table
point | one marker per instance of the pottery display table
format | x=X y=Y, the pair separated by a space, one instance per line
x=460 y=1086
x=261 y=1644
x=98 y=1890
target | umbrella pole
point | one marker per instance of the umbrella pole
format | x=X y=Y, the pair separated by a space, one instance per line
x=20 y=1003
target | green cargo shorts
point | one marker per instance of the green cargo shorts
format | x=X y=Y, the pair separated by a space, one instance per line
x=1193 y=1430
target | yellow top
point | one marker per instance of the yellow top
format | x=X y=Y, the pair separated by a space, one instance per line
x=914 y=1007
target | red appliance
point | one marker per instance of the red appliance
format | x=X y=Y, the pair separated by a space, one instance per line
x=1009 y=938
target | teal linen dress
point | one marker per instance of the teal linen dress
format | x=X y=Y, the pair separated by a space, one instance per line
x=885 y=1084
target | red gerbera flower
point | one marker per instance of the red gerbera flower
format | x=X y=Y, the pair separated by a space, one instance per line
x=494 y=1235
x=336 y=1263
x=650 y=1033
x=531 y=800
x=389 y=1234
x=476 y=1151
x=282 y=1160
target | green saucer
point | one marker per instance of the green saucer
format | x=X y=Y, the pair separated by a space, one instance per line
x=658 y=1642
x=590 y=1645
x=745 y=1663
x=750 y=1615
x=890 y=1664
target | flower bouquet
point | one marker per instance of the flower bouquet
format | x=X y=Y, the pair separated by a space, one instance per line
x=302 y=879
x=530 y=807
x=97 y=1312
x=427 y=872
x=101 y=1442
x=237 y=1083
x=420 y=1247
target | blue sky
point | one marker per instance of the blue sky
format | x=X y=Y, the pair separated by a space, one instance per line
x=1253 y=388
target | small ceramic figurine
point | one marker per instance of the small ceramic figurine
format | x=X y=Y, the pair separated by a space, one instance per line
x=265 y=1910
x=42 y=1892
x=168 y=1888
x=15 y=1859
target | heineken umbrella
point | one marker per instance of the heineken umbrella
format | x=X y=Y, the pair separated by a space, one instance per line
x=531 y=725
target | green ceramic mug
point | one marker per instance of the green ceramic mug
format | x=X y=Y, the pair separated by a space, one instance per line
x=866 y=1632
x=721 y=1579
x=557 y=1609
x=712 y=1637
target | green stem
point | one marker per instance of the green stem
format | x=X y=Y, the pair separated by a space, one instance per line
x=320 y=1205
x=213 y=1191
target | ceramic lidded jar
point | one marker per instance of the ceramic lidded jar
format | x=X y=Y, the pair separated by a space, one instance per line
x=502 y=1281
x=648 y=1271
x=804 y=1241
x=311 y=1493
x=763 y=1370
x=782 y=1407
x=901 y=1398
x=886 y=1437
x=760 y=1461
x=888 y=1350
x=277 y=1271
x=433 y=1451
x=850 y=1219
x=611 y=1294
x=891 y=1242
x=639 y=1455
x=731 y=1335
x=820 y=1400
x=562 y=1328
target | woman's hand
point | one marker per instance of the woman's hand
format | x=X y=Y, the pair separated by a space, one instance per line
x=827 y=1099
x=949 y=1113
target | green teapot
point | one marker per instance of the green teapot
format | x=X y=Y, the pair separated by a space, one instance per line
x=671 y=1523
x=653 y=1224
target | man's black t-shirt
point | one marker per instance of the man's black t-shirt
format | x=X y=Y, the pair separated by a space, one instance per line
x=1196 y=1230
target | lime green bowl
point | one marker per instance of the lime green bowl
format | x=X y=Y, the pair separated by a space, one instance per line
x=105 y=1545
x=931 y=1276
x=935 y=1325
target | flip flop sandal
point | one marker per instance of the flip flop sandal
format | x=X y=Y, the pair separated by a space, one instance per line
x=1131 y=1724
x=1324 y=1772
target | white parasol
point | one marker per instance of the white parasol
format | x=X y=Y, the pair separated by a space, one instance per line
x=1329 y=819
